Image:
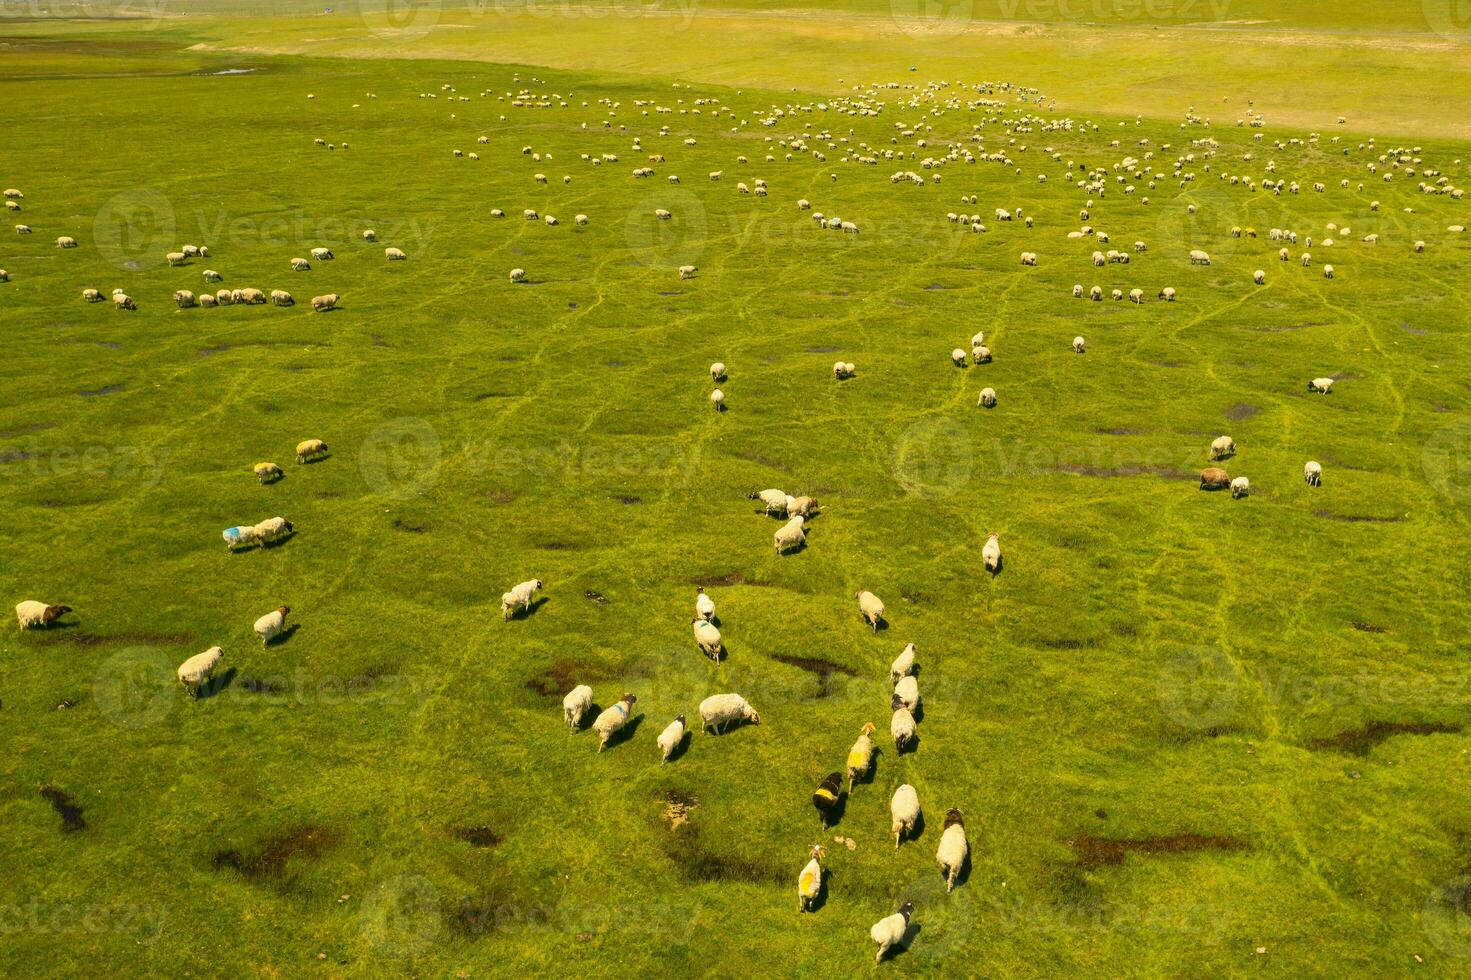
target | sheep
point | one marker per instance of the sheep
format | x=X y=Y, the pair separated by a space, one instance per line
x=1167 y=294
x=991 y=552
x=4 y=276
x=325 y=303
x=1322 y=386
x=310 y=449
x=91 y=295
x=717 y=400
x=1198 y=257
x=394 y=254
x=31 y=614
x=1029 y=258
x=1240 y=487
x=860 y=756
x=23 y=229
x=1327 y=272
x=225 y=297
x=978 y=339
x=803 y=506
x=720 y=711
x=1283 y=254
x=243 y=536
x=842 y=370
x=211 y=275
x=518 y=275
x=1140 y=247
x=66 y=241
x=1117 y=295
x=273 y=528
x=1222 y=447
x=704 y=605
x=612 y=720
x=670 y=738
x=272 y=624
x=250 y=297
x=551 y=221
x=576 y=705
x=826 y=797
x=497 y=213
x=809 y=882
x=687 y=271
x=957 y=356
x=790 y=535
x=891 y=930
x=953 y=849
x=1078 y=345
x=1096 y=293
x=519 y=597
x=1214 y=478
x=1312 y=473
x=988 y=398
x=369 y=235
x=1099 y=259
x=280 y=297
x=579 y=219
x=662 y=214
x=122 y=301
x=1307 y=259
x=907 y=691
x=871 y=607
x=183 y=299
x=773 y=501
x=707 y=636
x=717 y=371
x=267 y=472
x=1419 y=246
x=903 y=664
x=1136 y=296
x=901 y=724
x=715 y=174
x=904 y=808
x=1259 y=277
x=11 y=194
x=207 y=299
x=175 y=258
x=300 y=265
x=198 y=668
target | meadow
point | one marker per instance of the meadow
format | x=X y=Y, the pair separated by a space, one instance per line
x=1189 y=733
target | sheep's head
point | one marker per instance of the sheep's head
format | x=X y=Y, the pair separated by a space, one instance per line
x=896 y=703
x=750 y=713
x=818 y=852
x=629 y=698
x=867 y=728
x=953 y=818
x=906 y=910
x=284 y=610
x=53 y=613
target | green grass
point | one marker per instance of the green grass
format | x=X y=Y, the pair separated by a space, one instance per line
x=1152 y=662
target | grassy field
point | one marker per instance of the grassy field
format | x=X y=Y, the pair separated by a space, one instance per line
x=1189 y=733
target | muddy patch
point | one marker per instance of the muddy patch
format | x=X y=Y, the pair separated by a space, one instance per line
x=269 y=859
x=597 y=598
x=824 y=670
x=630 y=500
x=1068 y=643
x=402 y=525
x=481 y=836
x=499 y=496
x=561 y=677
x=559 y=546
x=1120 y=430
x=1096 y=852
x=14 y=456
x=696 y=859
x=1083 y=469
x=211 y=351
x=1360 y=741
x=69 y=812
x=132 y=639
x=677 y=807
x=257 y=685
x=1413 y=330
x=1358 y=518
x=1364 y=627
x=99 y=392
x=1241 y=411
x=485 y=395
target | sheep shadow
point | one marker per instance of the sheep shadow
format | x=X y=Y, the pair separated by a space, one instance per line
x=314 y=460
x=1000 y=564
x=527 y=611
x=963 y=875
x=215 y=684
x=917 y=831
x=910 y=747
x=795 y=549
x=867 y=777
x=918 y=713
x=878 y=627
x=911 y=933
x=277 y=542
x=283 y=637
x=835 y=815
x=681 y=747
x=625 y=733
x=820 y=899
x=730 y=726
x=718 y=656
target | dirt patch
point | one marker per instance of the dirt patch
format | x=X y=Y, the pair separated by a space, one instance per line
x=562 y=676
x=729 y=578
x=400 y=525
x=70 y=813
x=677 y=807
x=1121 y=431
x=269 y=859
x=1241 y=411
x=1096 y=852
x=823 y=670
x=132 y=639
x=1360 y=741
x=484 y=395
x=499 y=496
x=595 y=597
x=559 y=546
x=697 y=860
x=104 y=390
x=1413 y=330
x=210 y=351
x=14 y=456
x=1083 y=469
x=1068 y=643
x=256 y=685
x=1363 y=627
x=630 y=501
x=1358 y=518
x=477 y=836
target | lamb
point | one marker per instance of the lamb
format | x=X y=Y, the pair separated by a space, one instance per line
x=31 y=614
x=860 y=756
x=991 y=552
x=891 y=930
x=323 y=304
x=988 y=398
x=198 y=668
x=273 y=528
x=1222 y=447
x=957 y=356
x=717 y=400
x=207 y=299
x=708 y=638
x=903 y=664
x=1214 y=478
x=300 y=265
x=267 y=472
x=978 y=339
x=704 y=605
x=394 y=254
x=1078 y=345
x=66 y=241
x=1240 y=487
x=272 y=624
x=310 y=449
x=809 y=882
x=773 y=501
x=280 y=297
x=183 y=298
x=872 y=608
x=1322 y=386
x=790 y=535
x=953 y=848
x=612 y=720
x=717 y=371
x=576 y=705
x=904 y=808
x=519 y=597
x=720 y=711
x=1312 y=473
x=901 y=724
x=518 y=275
x=827 y=796
x=843 y=371
x=670 y=738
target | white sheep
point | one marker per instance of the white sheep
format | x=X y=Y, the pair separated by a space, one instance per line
x=662 y=214
x=300 y=265
x=369 y=235
x=1136 y=296
x=1312 y=473
x=325 y=303
x=803 y=506
x=242 y=536
x=1240 y=487
x=175 y=258
x=183 y=298
x=901 y=724
x=720 y=711
x=1259 y=277
x=707 y=636
x=1322 y=386
x=953 y=849
x=272 y=624
x=903 y=664
x=1078 y=291
x=790 y=535
x=1078 y=345
x=704 y=605
x=198 y=668
x=267 y=472
x=66 y=241
x=978 y=339
x=1222 y=447
x=860 y=756
x=31 y=613
x=1199 y=257
x=280 y=297
x=519 y=597
x=717 y=400
x=988 y=398
x=579 y=219
x=611 y=720
x=1327 y=272
x=957 y=357
x=669 y=739
x=991 y=552
x=272 y=529
x=842 y=370
x=310 y=449
x=904 y=808
x=773 y=501
x=891 y=930
x=518 y=275
x=211 y=275
x=1167 y=294
x=576 y=705
x=907 y=691
x=394 y=254
x=717 y=371
x=687 y=271
x=809 y=882
x=872 y=608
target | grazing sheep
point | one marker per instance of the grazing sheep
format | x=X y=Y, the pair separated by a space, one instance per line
x=300 y=265
x=662 y=214
x=272 y=624
x=92 y=295
x=280 y=297
x=717 y=400
x=1307 y=260
x=198 y=668
x=1167 y=294
x=1327 y=272
x=803 y=506
x=707 y=636
x=211 y=275
x=670 y=738
x=1214 y=478
x=978 y=339
x=11 y=194
x=518 y=275
x=717 y=371
x=183 y=298
x=1222 y=447
x=4 y=276
x=1240 y=487
x=497 y=213
x=903 y=664
x=551 y=221
x=579 y=219
x=1198 y=257
x=519 y=597
x=243 y=536
x=1117 y=295
x=612 y=720
x=988 y=398
x=1322 y=386
x=890 y=931
x=1136 y=296
x=842 y=371
x=704 y=605
x=991 y=552
x=773 y=501
x=1419 y=246
x=687 y=271
x=720 y=711
x=323 y=304
x=31 y=614
x=1259 y=277
x=225 y=297
x=310 y=449
x=1029 y=258
x=66 y=241
x=860 y=756
x=576 y=705
x=907 y=691
x=809 y=882
x=1312 y=472
x=369 y=235
x=1078 y=345
x=207 y=299
x=953 y=848
x=872 y=608
x=321 y=254
x=901 y=724
x=23 y=229
x=267 y=472
x=123 y=301
x=273 y=528
x=175 y=258
x=826 y=797
x=904 y=808
x=250 y=297
x=957 y=357
x=394 y=254
x=790 y=535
